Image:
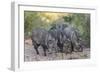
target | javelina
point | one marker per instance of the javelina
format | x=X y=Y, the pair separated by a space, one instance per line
x=71 y=34
x=57 y=33
x=42 y=37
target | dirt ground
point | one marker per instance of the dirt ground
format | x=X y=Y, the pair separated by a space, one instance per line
x=30 y=54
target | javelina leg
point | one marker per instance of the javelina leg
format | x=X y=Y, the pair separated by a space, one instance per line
x=60 y=46
x=81 y=49
x=44 y=49
x=36 y=48
x=72 y=48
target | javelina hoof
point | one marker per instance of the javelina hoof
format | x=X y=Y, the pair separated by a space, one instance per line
x=45 y=55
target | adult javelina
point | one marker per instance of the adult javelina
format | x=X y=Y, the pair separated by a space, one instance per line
x=71 y=35
x=42 y=37
x=57 y=33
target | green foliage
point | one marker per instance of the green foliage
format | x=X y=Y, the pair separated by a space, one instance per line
x=67 y=19
x=33 y=20
x=29 y=18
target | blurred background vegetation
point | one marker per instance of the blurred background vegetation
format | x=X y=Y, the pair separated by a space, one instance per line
x=46 y=20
